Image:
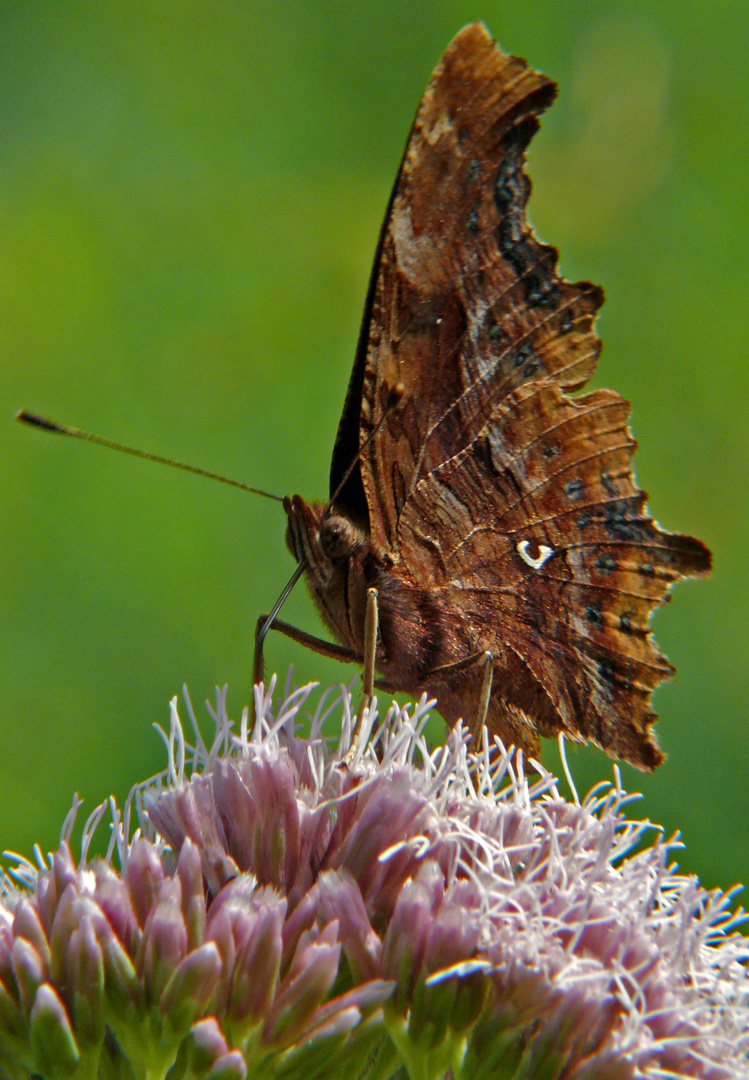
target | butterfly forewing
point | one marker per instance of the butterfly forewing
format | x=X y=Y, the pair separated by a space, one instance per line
x=466 y=304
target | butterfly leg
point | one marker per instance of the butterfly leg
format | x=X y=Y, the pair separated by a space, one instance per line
x=318 y=645
x=315 y=644
x=334 y=652
x=486 y=659
x=486 y=696
x=371 y=623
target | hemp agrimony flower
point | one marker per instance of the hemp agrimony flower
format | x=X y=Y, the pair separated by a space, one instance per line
x=288 y=908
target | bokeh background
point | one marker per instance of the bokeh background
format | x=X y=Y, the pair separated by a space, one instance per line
x=190 y=196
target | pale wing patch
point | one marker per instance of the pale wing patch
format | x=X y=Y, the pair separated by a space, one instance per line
x=544 y=553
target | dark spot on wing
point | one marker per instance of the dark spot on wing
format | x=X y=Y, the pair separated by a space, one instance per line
x=511 y=190
x=473 y=172
x=609 y=486
x=526 y=358
x=398 y=487
x=540 y=291
x=532 y=262
x=493 y=331
x=619 y=524
x=574 y=489
x=523 y=353
x=593 y=614
x=606 y=672
x=605 y=562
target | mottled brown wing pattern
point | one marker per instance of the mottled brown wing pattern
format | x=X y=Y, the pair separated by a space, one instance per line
x=552 y=473
x=491 y=510
x=465 y=303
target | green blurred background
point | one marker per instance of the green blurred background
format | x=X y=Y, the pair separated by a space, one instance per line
x=190 y=196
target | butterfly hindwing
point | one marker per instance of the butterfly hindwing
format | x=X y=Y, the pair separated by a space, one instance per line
x=540 y=537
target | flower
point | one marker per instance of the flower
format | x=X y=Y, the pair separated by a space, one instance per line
x=292 y=905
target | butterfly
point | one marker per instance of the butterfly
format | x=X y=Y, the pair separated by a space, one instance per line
x=494 y=514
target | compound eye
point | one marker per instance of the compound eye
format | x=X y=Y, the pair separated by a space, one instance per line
x=339 y=538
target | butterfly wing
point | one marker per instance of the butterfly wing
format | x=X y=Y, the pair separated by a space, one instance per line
x=539 y=536
x=464 y=303
x=487 y=464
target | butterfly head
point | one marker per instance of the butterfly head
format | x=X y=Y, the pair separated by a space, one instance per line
x=319 y=537
x=335 y=554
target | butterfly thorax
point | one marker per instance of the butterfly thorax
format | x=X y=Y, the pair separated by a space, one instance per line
x=341 y=563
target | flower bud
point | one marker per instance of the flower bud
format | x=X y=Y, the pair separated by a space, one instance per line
x=28 y=925
x=190 y=988
x=53 y=1044
x=164 y=939
x=30 y=971
x=205 y=1045
x=257 y=966
x=193 y=893
x=86 y=972
x=144 y=875
x=340 y=899
x=312 y=975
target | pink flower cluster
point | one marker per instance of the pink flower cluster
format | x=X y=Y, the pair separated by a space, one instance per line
x=292 y=907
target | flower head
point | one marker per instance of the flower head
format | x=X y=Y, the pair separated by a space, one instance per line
x=289 y=907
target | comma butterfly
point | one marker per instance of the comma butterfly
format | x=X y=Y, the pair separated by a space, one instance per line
x=491 y=511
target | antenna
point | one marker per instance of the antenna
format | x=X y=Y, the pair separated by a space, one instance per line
x=88 y=436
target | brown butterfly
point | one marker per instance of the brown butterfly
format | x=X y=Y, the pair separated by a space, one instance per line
x=491 y=511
